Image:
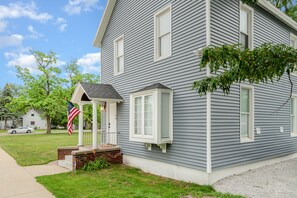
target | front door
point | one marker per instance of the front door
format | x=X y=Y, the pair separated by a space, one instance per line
x=111 y=136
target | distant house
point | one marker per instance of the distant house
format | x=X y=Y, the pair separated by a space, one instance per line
x=148 y=64
x=31 y=119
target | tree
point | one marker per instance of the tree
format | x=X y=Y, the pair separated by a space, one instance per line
x=43 y=89
x=266 y=63
x=6 y=97
x=74 y=75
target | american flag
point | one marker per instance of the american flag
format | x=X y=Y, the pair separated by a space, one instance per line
x=72 y=113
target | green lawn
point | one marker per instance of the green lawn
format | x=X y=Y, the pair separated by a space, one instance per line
x=122 y=181
x=35 y=149
x=2 y=131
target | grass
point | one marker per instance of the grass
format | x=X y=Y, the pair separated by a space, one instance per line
x=122 y=181
x=35 y=149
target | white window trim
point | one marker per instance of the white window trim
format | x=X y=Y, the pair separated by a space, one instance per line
x=250 y=10
x=115 y=63
x=293 y=36
x=252 y=116
x=294 y=133
x=155 y=138
x=156 y=40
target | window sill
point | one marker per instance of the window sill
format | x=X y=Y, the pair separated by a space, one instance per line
x=116 y=74
x=162 y=58
x=246 y=140
x=293 y=135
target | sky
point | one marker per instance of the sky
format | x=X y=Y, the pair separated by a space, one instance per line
x=66 y=27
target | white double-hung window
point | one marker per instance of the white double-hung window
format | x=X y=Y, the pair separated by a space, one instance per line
x=119 y=55
x=293 y=115
x=246 y=113
x=246 y=26
x=151 y=115
x=163 y=33
x=293 y=43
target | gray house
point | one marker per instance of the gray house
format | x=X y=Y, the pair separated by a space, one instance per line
x=149 y=57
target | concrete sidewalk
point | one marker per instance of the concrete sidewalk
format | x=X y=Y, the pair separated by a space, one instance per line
x=19 y=182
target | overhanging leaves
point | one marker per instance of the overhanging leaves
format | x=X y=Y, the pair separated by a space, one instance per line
x=230 y=64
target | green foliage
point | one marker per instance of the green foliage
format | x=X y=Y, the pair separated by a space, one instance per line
x=266 y=63
x=43 y=89
x=98 y=164
x=6 y=97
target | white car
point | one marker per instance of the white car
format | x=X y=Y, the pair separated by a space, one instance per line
x=22 y=129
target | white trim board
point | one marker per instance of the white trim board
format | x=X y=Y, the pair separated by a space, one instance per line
x=193 y=175
x=208 y=94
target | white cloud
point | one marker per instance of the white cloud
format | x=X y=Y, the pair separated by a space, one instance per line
x=77 y=6
x=90 y=62
x=12 y=40
x=34 y=33
x=25 y=61
x=61 y=23
x=17 y=10
x=3 y=25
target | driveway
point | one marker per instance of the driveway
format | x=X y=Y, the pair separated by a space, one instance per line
x=19 y=182
x=273 y=181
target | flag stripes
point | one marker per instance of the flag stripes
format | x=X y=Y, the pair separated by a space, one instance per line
x=72 y=113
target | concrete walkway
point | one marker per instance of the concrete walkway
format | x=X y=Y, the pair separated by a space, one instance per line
x=19 y=182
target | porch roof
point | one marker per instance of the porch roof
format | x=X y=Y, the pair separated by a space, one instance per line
x=93 y=91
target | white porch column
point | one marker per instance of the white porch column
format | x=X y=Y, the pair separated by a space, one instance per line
x=81 y=124
x=95 y=124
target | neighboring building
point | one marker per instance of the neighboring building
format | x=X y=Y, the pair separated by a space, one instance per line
x=149 y=56
x=31 y=119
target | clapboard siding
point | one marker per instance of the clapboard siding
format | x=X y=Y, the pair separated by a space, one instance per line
x=226 y=147
x=135 y=20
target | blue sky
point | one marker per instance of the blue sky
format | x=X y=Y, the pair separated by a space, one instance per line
x=66 y=27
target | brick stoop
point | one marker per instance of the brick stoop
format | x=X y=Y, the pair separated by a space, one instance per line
x=112 y=155
x=63 y=151
x=74 y=158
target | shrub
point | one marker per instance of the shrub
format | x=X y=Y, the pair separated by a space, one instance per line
x=98 y=164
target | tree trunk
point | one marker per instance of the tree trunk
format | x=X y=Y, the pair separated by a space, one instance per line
x=5 y=123
x=48 y=123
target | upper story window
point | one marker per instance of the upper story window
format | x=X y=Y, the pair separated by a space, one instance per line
x=119 y=55
x=32 y=114
x=163 y=33
x=293 y=115
x=246 y=113
x=293 y=43
x=246 y=26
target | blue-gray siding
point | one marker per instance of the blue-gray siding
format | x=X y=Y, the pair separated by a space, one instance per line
x=135 y=20
x=226 y=147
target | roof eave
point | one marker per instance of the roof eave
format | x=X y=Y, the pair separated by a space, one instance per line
x=104 y=22
x=278 y=13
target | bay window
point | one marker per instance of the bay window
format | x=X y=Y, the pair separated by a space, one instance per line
x=151 y=115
